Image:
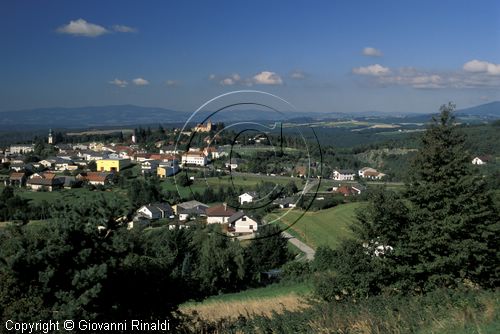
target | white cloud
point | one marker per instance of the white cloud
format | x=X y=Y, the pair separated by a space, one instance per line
x=119 y=83
x=263 y=78
x=81 y=27
x=474 y=75
x=481 y=66
x=415 y=79
x=123 y=28
x=233 y=79
x=211 y=77
x=372 y=52
x=267 y=78
x=227 y=82
x=298 y=75
x=172 y=83
x=375 y=70
x=140 y=82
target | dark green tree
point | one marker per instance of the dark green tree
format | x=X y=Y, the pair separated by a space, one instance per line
x=71 y=269
x=221 y=261
x=454 y=226
x=268 y=251
x=442 y=232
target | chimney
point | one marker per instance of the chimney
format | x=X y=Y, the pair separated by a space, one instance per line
x=225 y=206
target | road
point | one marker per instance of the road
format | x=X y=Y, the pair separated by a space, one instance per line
x=310 y=187
x=308 y=251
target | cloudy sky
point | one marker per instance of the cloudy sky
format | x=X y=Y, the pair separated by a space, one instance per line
x=348 y=56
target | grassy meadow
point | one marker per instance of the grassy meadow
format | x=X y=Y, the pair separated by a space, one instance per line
x=324 y=227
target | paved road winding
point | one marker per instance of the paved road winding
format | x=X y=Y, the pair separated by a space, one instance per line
x=308 y=251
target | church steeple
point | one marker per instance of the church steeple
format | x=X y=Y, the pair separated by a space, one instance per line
x=51 y=137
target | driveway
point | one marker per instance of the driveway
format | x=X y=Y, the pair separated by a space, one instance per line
x=308 y=251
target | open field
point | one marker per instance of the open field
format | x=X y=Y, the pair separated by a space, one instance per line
x=266 y=300
x=70 y=195
x=100 y=132
x=329 y=124
x=246 y=182
x=251 y=149
x=324 y=227
x=329 y=183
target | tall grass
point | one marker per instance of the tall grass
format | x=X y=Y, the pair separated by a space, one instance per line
x=438 y=312
x=258 y=301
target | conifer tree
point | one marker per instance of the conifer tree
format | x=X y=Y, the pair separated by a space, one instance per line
x=453 y=235
x=443 y=231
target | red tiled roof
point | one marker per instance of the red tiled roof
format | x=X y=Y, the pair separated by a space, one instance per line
x=142 y=155
x=96 y=176
x=220 y=211
x=168 y=157
x=48 y=176
x=14 y=176
x=346 y=190
x=46 y=182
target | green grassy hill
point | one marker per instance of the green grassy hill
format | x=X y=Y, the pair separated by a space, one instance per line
x=324 y=227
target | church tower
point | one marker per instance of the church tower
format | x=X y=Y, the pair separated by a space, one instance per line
x=50 y=138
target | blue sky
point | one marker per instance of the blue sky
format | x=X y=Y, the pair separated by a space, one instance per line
x=347 y=56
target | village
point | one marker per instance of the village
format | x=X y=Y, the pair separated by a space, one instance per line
x=98 y=166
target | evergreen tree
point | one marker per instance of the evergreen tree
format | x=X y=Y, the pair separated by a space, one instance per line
x=443 y=231
x=454 y=232
x=269 y=251
x=221 y=262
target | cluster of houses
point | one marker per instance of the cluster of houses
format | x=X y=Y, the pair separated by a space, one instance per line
x=50 y=181
x=364 y=173
x=236 y=222
x=108 y=159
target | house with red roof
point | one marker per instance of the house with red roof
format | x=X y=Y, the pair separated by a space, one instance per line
x=219 y=214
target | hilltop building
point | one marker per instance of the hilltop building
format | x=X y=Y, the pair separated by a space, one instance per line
x=50 y=138
x=203 y=128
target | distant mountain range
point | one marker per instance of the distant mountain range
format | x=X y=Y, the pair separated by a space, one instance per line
x=131 y=115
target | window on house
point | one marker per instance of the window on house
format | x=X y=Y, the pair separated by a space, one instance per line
x=250 y=227
x=244 y=219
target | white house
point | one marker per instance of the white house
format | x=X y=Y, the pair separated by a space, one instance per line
x=219 y=214
x=149 y=166
x=247 y=197
x=242 y=223
x=155 y=211
x=191 y=208
x=194 y=158
x=480 y=160
x=80 y=147
x=20 y=149
x=168 y=168
x=169 y=150
x=64 y=164
x=219 y=153
x=47 y=163
x=49 y=181
x=91 y=155
x=343 y=175
x=287 y=202
x=234 y=163
x=370 y=173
